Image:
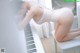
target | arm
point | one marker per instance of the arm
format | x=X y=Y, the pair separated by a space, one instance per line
x=26 y=20
x=22 y=12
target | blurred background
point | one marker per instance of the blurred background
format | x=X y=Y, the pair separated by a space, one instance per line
x=34 y=38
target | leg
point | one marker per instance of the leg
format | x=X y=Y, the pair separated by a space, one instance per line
x=56 y=26
x=75 y=30
x=63 y=29
x=63 y=34
x=72 y=30
x=71 y=35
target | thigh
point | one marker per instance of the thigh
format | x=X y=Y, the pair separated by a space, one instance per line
x=62 y=31
x=56 y=26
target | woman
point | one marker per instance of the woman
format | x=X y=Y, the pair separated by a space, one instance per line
x=62 y=17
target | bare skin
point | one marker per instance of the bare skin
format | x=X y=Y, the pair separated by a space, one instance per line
x=63 y=26
x=63 y=32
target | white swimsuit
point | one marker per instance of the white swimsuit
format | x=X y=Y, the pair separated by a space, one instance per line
x=47 y=16
x=52 y=15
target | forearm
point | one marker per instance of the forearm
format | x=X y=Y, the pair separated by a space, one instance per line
x=20 y=16
x=22 y=12
x=24 y=22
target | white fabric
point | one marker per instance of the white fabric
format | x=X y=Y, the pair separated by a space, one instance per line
x=52 y=15
x=47 y=16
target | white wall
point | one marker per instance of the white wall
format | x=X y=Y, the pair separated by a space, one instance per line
x=11 y=38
